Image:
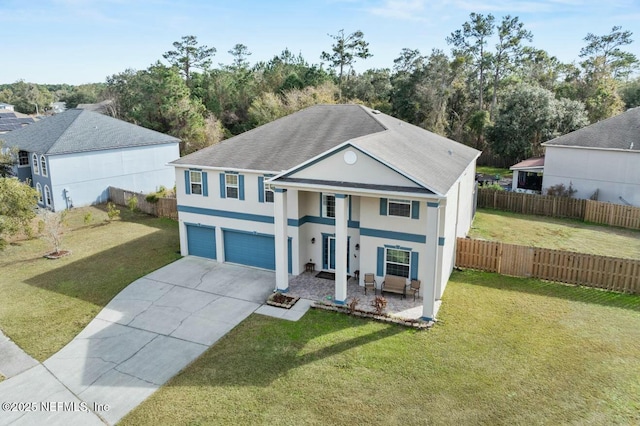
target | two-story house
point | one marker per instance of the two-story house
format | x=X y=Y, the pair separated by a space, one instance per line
x=73 y=157
x=343 y=187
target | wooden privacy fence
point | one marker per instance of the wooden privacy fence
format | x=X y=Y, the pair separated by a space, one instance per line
x=164 y=207
x=609 y=273
x=547 y=205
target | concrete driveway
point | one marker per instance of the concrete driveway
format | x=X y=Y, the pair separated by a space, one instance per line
x=143 y=337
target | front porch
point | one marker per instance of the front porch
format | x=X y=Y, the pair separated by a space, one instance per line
x=308 y=286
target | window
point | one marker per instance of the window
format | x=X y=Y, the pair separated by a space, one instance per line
x=400 y=208
x=43 y=165
x=47 y=196
x=231 y=185
x=39 y=189
x=328 y=205
x=23 y=158
x=35 y=164
x=398 y=262
x=268 y=192
x=195 y=179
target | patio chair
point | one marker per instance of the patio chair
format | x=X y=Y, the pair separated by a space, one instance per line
x=414 y=288
x=370 y=282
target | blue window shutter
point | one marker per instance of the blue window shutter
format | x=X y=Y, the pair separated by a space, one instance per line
x=187 y=182
x=383 y=206
x=414 y=265
x=241 y=187
x=289 y=258
x=380 y=269
x=223 y=191
x=205 y=184
x=261 y=189
x=415 y=210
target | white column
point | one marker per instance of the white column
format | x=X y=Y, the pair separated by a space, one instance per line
x=342 y=215
x=280 y=219
x=433 y=262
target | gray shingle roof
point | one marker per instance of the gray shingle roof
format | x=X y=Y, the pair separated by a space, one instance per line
x=281 y=145
x=77 y=130
x=619 y=132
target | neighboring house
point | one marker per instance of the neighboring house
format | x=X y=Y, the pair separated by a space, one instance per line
x=10 y=120
x=58 y=107
x=73 y=157
x=600 y=161
x=527 y=175
x=341 y=188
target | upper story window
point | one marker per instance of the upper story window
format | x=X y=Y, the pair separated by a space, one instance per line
x=231 y=186
x=398 y=262
x=268 y=192
x=400 y=208
x=36 y=170
x=43 y=165
x=328 y=205
x=195 y=179
x=23 y=158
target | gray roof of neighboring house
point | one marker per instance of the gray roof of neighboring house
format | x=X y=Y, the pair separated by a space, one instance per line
x=77 y=130
x=281 y=145
x=619 y=132
x=10 y=121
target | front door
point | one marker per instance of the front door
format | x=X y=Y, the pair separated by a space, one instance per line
x=329 y=254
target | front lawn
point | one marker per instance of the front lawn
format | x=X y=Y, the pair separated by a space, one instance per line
x=45 y=303
x=506 y=351
x=555 y=233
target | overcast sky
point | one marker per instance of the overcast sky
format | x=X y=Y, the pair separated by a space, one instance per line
x=84 y=41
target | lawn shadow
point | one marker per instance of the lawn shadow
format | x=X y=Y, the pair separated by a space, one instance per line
x=99 y=277
x=280 y=346
x=551 y=289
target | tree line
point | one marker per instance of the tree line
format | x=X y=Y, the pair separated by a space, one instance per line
x=494 y=90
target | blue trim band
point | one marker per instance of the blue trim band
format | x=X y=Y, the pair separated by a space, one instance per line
x=280 y=190
x=426 y=318
x=323 y=221
x=340 y=196
x=393 y=235
x=340 y=302
x=440 y=241
x=286 y=290
x=227 y=214
x=430 y=204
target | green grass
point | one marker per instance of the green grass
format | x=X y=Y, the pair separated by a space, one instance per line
x=45 y=303
x=487 y=170
x=506 y=351
x=554 y=233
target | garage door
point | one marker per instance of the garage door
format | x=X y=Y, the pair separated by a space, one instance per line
x=201 y=241
x=250 y=249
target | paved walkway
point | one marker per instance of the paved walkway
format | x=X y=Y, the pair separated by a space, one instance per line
x=13 y=360
x=148 y=333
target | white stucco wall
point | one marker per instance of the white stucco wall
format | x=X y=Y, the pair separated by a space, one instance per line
x=613 y=173
x=87 y=176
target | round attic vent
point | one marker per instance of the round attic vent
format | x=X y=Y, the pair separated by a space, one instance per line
x=350 y=157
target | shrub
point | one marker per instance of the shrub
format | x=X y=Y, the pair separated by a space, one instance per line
x=379 y=304
x=88 y=218
x=353 y=304
x=560 y=190
x=132 y=203
x=53 y=226
x=495 y=186
x=112 y=212
x=152 y=198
